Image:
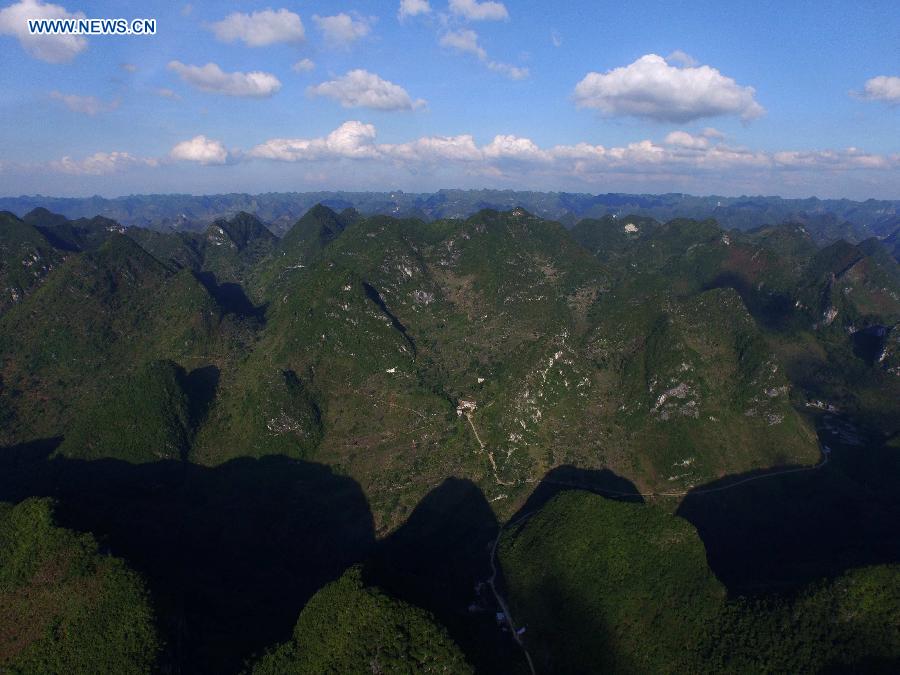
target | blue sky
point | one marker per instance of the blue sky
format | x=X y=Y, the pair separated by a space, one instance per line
x=797 y=98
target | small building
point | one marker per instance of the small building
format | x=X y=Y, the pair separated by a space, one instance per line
x=466 y=407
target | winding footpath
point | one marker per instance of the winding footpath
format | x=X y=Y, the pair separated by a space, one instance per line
x=490 y=455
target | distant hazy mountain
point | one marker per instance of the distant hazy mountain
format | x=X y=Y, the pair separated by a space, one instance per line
x=828 y=219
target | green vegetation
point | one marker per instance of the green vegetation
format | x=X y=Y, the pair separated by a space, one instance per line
x=315 y=230
x=348 y=627
x=848 y=624
x=642 y=358
x=146 y=418
x=97 y=318
x=82 y=234
x=26 y=258
x=266 y=413
x=65 y=607
x=242 y=417
x=606 y=586
x=612 y=586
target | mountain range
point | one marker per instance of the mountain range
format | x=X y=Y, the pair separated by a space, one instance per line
x=657 y=417
x=827 y=219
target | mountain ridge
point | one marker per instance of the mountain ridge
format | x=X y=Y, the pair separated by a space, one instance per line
x=829 y=219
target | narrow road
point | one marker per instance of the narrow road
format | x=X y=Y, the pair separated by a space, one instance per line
x=721 y=488
x=501 y=602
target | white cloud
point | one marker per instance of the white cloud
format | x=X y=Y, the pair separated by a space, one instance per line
x=435 y=148
x=645 y=153
x=200 y=149
x=165 y=92
x=883 y=88
x=512 y=72
x=556 y=38
x=682 y=59
x=653 y=89
x=681 y=159
x=683 y=139
x=682 y=156
x=473 y=10
x=100 y=164
x=303 y=66
x=465 y=41
x=410 y=8
x=351 y=140
x=356 y=140
x=87 y=105
x=521 y=161
x=362 y=89
x=213 y=79
x=260 y=29
x=851 y=158
x=580 y=152
x=50 y=48
x=514 y=147
x=342 y=29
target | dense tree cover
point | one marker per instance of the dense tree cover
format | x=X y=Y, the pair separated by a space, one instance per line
x=850 y=623
x=64 y=606
x=348 y=627
x=611 y=586
x=606 y=586
x=145 y=417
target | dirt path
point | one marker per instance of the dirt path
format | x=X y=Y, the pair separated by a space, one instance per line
x=490 y=454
